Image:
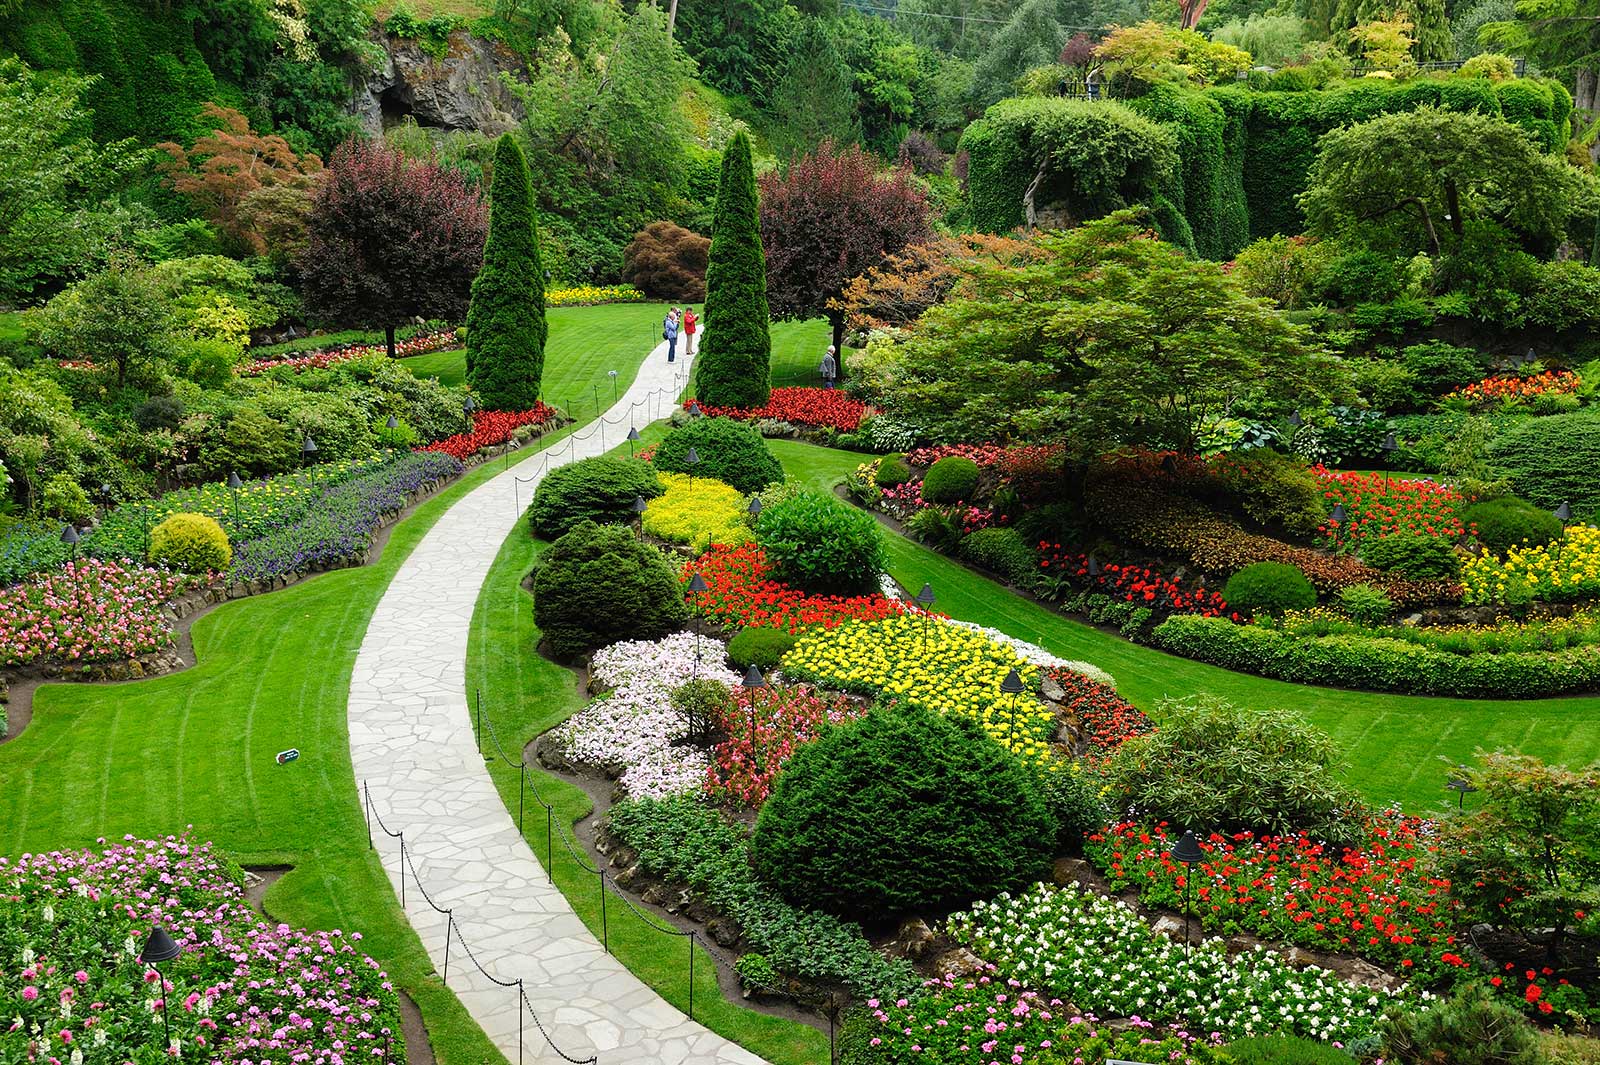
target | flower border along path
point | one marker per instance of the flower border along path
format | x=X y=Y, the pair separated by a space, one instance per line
x=412 y=746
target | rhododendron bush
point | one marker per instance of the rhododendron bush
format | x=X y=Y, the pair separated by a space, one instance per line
x=88 y=611
x=243 y=990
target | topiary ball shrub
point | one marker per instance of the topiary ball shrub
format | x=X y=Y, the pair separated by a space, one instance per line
x=821 y=544
x=762 y=648
x=731 y=451
x=1269 y=588
x=950 y=480
x=1422 y=558
x=1003 y=551
x=597 y=585
x=1550 y=461
x=600 y=490
x=1511 y=522
x=193 y=543
x=893 y=471
x=901 y=809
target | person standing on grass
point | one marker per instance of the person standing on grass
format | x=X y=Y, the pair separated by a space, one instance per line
x=689 y=324
x=669 y=333
x=829 y=368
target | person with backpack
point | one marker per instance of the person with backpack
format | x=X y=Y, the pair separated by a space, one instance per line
x=669 y=333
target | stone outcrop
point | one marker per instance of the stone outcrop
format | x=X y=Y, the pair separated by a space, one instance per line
x=460 y=90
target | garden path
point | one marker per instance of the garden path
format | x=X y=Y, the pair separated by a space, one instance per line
x=412 y=745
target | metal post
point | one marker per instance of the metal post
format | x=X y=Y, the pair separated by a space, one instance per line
x=549 y=844
x=402 y=871
x=519 y=1022
x=691 y=975
x=449 y=925
x=366 y=811
x=605 y=930
x=477 y=725
x=522 y=789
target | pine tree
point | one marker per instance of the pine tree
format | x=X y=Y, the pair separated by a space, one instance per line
x=505 y=326
x=816 y=96
x=735 y=358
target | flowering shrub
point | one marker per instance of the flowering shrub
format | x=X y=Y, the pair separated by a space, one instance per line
x=586 y=295
x=939 y=667
x=490 y=428
x=1540 y=992
x=696 y=511
x=762 y=729
x=1492 y=390
x=1378 y=900
x=1022 y=460
x=1567 y=569
x=420 y=344
x=88 y=611
x=1108 y=719
x=1087 y=947
x=741 y=593
x=242 y=990
x=1134 y=584
x=1377 y=507
x=826 y=407
x=632 y=731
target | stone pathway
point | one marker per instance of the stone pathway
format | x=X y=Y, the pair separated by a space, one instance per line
x=411 y=743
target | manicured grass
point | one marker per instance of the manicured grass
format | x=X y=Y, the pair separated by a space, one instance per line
x=526 y=694
x=197 y=748
x=797 y=349
x=1396 y=746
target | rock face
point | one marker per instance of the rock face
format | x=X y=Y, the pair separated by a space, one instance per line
x=461 y=90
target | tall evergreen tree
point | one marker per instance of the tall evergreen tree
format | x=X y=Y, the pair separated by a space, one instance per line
x=735 y=358
x=506 y=329
x=816 y=97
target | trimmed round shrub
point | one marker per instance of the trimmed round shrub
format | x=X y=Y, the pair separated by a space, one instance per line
x=819 y=543
x=902 y=809
x=193 y=543
x=1002 y=550
x=1550 y=461
x=597 y=584
x=1422 y=558
x=893 y=472
x=601 y=490
x=1511 y=522
x=762 y=648
x=950 y=480
x=731 y=451
x=1269 y=588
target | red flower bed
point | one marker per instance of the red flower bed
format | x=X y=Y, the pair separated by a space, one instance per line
x=1108 y=719
x=802 y=406
x=1377 y=900
x=760 y=740
x=741 y=592
x=1135 y=584
x=1492 y=389
x=489 y=428
x=316 y=360
x=1374 y=508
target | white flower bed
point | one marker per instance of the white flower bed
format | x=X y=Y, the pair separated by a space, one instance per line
x=1096 y=953
x=631 y=730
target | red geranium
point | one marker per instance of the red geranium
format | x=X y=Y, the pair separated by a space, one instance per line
x=489 y=428
x=1378 y=506
x=763 y=728
x=1134 y=584
x=741 y=592
x=802 y=406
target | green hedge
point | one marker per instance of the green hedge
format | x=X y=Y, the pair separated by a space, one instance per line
x=1379 y=663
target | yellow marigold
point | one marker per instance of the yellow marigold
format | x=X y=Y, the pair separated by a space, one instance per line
x=697 y=511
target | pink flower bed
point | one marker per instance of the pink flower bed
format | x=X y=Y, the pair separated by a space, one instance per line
x=88 y=611
x=316 y=360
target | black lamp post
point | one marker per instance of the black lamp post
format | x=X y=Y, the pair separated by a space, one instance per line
x=160 y=947
x=1460 y=784
x=1390 y=445
x=925 y=601
x=691 y=460
x=1337 y=519
x=234 y=484
x=1187 y=850
x=693 y=408
x=754 y=509
x=697 y=586
x=1564 y=511
x=1094 y=567
x=753 y=681
x=1012 y=686
x=613 y=375
x=392 y=423
x=70 y=537
x=639 y=506
x=307 y=451
x=633 y=440
x=1169 y=466
x=1295 y=421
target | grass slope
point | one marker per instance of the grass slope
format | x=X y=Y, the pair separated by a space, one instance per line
x=1393 y=743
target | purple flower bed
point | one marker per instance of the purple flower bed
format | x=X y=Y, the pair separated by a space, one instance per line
x=339 y=525
x=242 y=990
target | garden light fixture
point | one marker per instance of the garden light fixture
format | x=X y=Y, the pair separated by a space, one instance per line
x=70 y=537
x=697 y=586
x=694 y=409
x=1389 y=446
x=1169 y=466
x=1564 y=511
x=468 y=405
x=613 y=376
x=691 y=460
x=234 y=484
x=753 y=682
x=160 y=947
x=1094 y=566
x=1295 y=420
x=392 y=423
x=1012 y=686
x=754 y=509
x=1460 y=784
x=633 y=440
x=1187 y=850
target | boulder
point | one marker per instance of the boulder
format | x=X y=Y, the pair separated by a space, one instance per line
x=723 y=931
x=913 y=939
x=958 y=962
x=460 y=90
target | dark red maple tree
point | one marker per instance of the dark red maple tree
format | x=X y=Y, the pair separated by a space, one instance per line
x=391 y=238
x=832 y=217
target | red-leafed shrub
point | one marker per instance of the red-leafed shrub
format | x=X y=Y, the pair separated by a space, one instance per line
x=828 y=407
x=490 y=428
x=741 y=593
x=667 y=262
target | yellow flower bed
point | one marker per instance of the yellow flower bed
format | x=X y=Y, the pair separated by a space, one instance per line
x=581 y=295
x=930 y=664
x=697 y=511
x=1566 y=569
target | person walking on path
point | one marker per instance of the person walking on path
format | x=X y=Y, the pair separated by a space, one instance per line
x=829 y=368
x=669 y=333
x=689 y=324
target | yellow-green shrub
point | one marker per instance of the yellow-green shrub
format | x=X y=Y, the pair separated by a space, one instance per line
x=193 y=543
x=697 y=511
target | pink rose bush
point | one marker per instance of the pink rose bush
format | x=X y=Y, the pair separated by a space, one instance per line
x=90 y=610
x=71 y=987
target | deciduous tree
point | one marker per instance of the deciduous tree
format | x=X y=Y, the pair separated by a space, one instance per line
x=506 y=327
x=735 y=360
x=666 y=261
x=119 y=319
x=896 y=292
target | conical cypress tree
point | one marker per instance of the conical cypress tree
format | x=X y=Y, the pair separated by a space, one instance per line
x=505 y=325
x=735 y=359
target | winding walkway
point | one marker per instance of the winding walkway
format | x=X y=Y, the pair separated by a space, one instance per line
x=411 y=743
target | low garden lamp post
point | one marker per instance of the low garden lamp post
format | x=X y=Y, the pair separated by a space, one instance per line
x=1337 y=520
x=234 y=484
x=1460 y=784
x=1012 y=686
x=753 y=681
x=160 y=947
x=633 y=440
x=1390 y=445
x=1564 y=511
x=1169 y=466
x=697 y=586
x=925 y=600
x=308 y=450
x=1295 y=421
x=1187 y=850
x=754 y=509
x=691 y=460
x=639 y=506
x=613 y=375
x=392 y=422
x=70 y=537
x=1094 y=568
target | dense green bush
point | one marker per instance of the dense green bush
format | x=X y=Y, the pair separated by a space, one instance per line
x=819 y=543
x=597 y=584
x=760 y=647
x=1076 y=806
x=1550 y=461
x=1002 y=550
x=1366 y=604
x=601 y=490
x=950 y=480
x=699 y=702
x=193 y=543
x=892 y=472
x=506 y=328
x=1285 y=1050
x=733 y=365
x=1216 y=767
x=730 y=451
x=1274 y=490
x=1511 y=522
x=1269 y=588
x=900 y=810
x=1360 y=276
x=1437 y=367
x=1420 y=557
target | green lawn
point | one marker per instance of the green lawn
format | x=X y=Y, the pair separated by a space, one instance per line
x=196 y=748
x=1393 y=743
x=797 y=349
